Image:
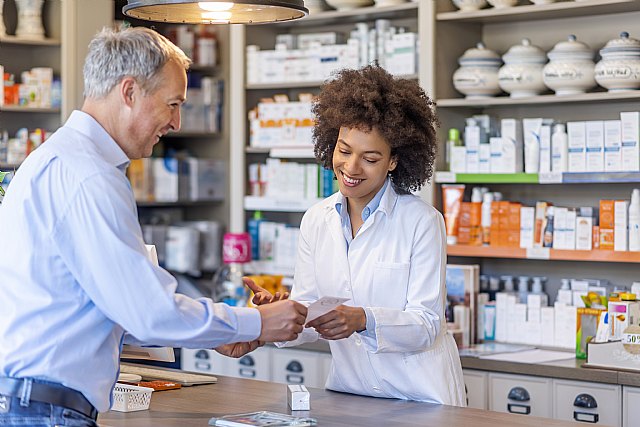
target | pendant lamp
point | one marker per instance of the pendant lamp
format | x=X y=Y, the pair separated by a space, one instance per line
x=216 y=11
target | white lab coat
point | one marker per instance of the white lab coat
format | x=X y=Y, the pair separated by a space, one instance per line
x=396 y=266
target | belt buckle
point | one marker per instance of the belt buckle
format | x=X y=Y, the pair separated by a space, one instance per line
x=5 y=404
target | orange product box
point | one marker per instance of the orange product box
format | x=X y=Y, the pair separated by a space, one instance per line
x=540 y=222
x=464 y=224
x=476 y=224
x=606 y=224
x=595 y=237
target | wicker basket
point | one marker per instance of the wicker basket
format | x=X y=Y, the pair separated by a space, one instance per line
x=129 y=398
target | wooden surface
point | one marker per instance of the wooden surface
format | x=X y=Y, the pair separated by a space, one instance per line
x=193 y=406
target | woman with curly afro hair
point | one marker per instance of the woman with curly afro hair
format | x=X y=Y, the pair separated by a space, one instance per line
x=377 y=245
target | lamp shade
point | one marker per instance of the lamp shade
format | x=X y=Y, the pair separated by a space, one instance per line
x=216 y=11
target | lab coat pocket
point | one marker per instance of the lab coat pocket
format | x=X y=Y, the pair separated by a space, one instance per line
x=390 y=283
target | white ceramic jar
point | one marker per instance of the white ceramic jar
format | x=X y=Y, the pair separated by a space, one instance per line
x=501 y=4
x=469 y=5
x=521 y=76
x=542 y=1
x=570 y=68
x=30 y=19
x=477 y=76
x=619 y=68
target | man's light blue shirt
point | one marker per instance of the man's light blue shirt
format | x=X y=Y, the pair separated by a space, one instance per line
x=74 y=274
x=348 y=236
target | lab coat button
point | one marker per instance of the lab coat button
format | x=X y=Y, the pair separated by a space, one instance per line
x=358 y=341
x=377 y=389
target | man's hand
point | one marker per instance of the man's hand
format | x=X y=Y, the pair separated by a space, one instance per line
x=340 y=323
x=282 y=320
x=261 y=295
x=238 y=349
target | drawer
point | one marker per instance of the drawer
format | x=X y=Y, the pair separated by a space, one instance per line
x=587 y=403
x=325 y=365
x=630 y=406
x=475 y=383
x=520 y=394
x=255 y=365
x=206 y=361
x=296 y=367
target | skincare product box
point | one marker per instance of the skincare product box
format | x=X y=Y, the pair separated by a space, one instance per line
x=512 y=149
x=620 y=226
x=612 y=146
x=298 y=397
x=527 y=223
x=595 y=146
x=577 y=146
x=630 y=131
x=545 y=148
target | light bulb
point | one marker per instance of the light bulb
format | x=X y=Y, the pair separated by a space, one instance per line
x=215 y=6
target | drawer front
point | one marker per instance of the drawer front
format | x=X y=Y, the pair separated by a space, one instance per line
x=520 y=394
x=630 y=406
x=255 y=365
x=206 y=361
x=296 y=367
x=587 y=403
x=476 y=385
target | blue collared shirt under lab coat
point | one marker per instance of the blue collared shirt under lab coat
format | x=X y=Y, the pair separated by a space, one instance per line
x=74 y=274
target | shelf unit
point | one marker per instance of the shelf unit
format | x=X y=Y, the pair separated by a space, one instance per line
x=596 y=255
x=407 y=14
x=594 y=22
x=69 y=25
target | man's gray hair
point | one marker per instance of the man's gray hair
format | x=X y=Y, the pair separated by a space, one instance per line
x=136 y=52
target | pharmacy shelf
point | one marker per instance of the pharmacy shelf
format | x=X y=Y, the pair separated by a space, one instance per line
x=293 y=152
x=400 y=11
x=206 y=69
x=304 y=85
x=18 y=109
x=185 y=203
x=9 y=40
x=595 y=255
x=532 y=12
x=583 y=98
x=253 y=203
x=534 y=178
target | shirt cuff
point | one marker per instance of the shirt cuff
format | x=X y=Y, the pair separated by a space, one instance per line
x=370 y=330
x=249 y=324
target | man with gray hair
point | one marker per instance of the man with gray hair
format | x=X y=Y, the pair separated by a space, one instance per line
x=74 y=275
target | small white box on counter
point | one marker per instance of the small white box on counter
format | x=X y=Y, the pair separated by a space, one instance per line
x=298 y=397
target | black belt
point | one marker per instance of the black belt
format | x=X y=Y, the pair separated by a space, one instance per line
x=55 y=394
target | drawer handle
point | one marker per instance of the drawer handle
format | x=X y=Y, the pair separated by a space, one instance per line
x=519 y=409
x=585 y=417
x=295 y=379
x=247 y=373
x=584 y=400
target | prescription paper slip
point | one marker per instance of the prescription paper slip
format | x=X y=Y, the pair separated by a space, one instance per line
x=323 y=306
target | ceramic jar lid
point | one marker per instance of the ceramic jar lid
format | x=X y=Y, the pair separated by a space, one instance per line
x=480 y=55
x=571 y=49
x=525 y=53
x=624 y=46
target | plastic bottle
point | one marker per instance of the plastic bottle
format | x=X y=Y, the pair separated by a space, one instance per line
x=559 y=149
x=452 y=141
x=523 y=289
x=476 y=230
x=537 y=288
x=547 y=236
x=487 y=199
x=532 y=154
x=508 y=284
x=565 y=295
x=494 y=287
x=634 y=221
x=228 y=285
x=253 y=228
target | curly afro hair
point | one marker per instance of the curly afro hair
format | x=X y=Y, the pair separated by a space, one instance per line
x=399 y=109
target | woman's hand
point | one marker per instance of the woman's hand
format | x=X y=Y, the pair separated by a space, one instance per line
x=261 y=295
x=340 y=323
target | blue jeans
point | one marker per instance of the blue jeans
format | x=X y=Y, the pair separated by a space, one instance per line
x=21 y=411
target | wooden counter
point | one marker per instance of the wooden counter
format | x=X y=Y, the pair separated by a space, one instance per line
x=193 y=406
